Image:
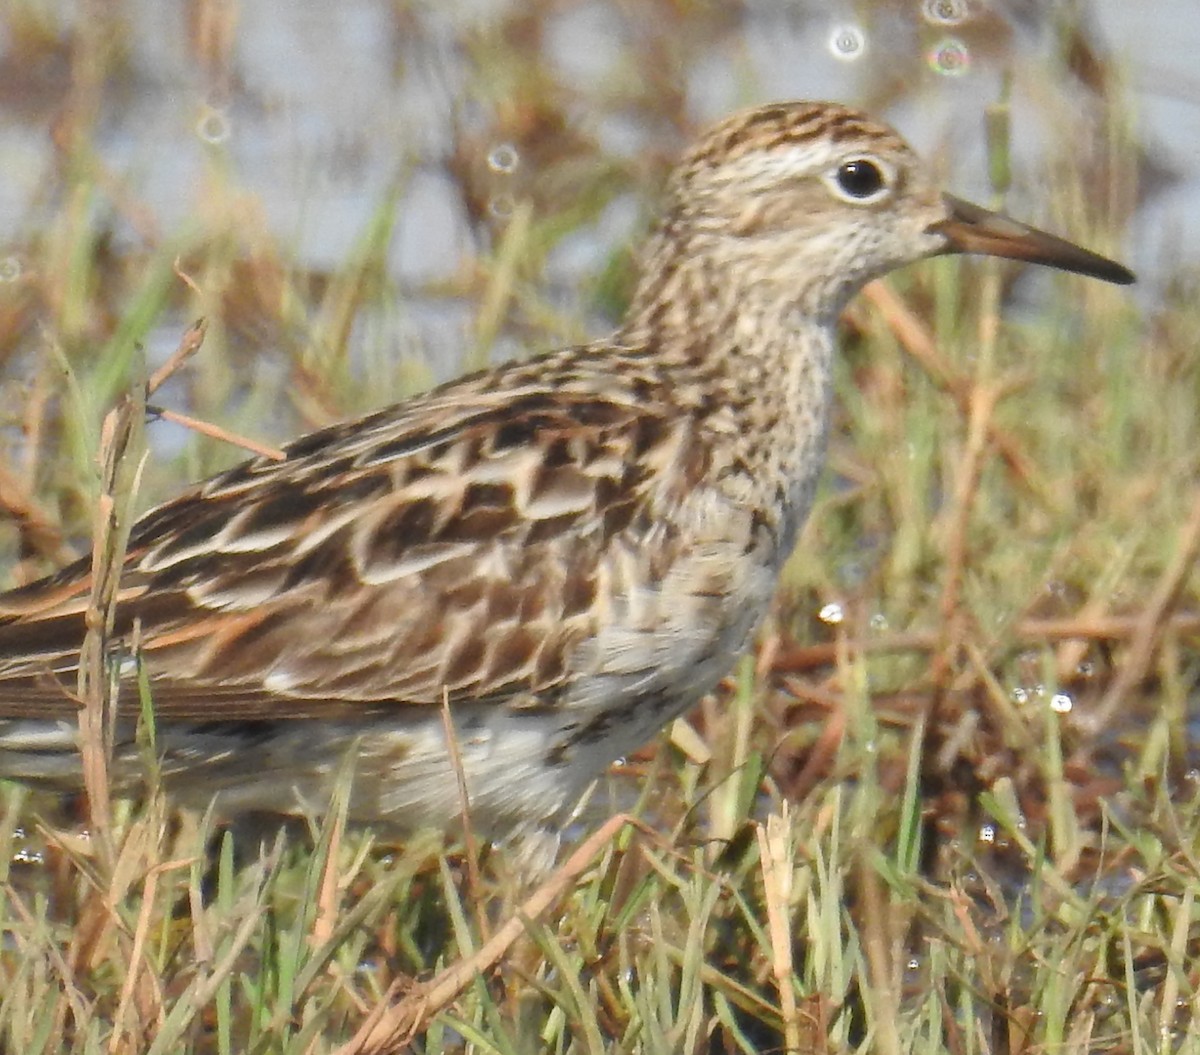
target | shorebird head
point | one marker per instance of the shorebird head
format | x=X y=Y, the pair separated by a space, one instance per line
x=812 y=200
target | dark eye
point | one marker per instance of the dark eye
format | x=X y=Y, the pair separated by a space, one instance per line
x=860 y=178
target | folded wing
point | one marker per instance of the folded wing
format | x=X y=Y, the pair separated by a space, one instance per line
x=456 y=545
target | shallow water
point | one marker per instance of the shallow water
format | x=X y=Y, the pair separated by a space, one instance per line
x=317 y=117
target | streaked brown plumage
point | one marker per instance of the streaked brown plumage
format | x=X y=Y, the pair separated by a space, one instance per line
x=570 y=550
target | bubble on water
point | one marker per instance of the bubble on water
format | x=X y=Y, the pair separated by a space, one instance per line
x=504 y=158
x=847 y=43
x=987 y=833
x=502 y=206
x=831 y=613
x=950 y=58
x=10 y=268
x=213 y=127
x=946 y=12
x=1061 y=703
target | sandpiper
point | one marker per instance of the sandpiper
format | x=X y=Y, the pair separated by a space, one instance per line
x=569 y=550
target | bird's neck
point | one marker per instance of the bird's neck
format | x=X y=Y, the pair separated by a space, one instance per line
x=760 y=359
x=763 y=346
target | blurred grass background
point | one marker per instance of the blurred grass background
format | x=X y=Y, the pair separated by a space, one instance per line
x=950 y=804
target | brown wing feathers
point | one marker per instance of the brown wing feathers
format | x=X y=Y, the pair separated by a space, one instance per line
x=384 y=564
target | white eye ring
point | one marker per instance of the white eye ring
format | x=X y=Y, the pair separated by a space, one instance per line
x=861 y=180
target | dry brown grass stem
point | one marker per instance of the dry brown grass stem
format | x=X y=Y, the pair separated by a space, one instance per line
x=879 y=951
x=1154 y=619
x=820 y=756
x=1082 y=627
x=207 y=428
x=916 y=340
x=953 y=622
x=40 y=532
x=70 y=999
x=119 y=440
x=778 y=860
x=470 y=844
x=120 y=443
x=407 y=1007
x=139 y=982
x=325 y=921
x=189 y=344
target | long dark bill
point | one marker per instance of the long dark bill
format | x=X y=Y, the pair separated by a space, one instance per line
x=971 y=229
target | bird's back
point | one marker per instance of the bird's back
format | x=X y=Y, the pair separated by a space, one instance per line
x=533 y=546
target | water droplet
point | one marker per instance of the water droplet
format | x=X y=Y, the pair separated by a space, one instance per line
x=10 y=268
x=1086 y=669
x=831 y=613
x=213 y=126
x=25 y=856
x=847 y=43
x=502 y=206
x=504 y=158
x=950 y=58
x=945 y=12
x=1061 y=703
x=1020 y=695
x=987 y=833
x=878 y=621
